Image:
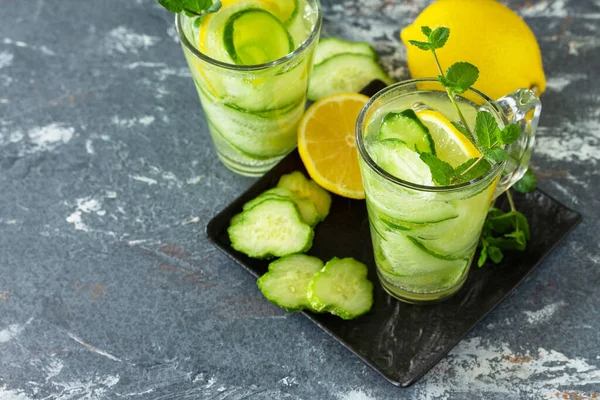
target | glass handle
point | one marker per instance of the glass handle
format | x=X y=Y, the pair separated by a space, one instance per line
x=523 y=108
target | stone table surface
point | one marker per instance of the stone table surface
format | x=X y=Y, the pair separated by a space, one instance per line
x=109 y=288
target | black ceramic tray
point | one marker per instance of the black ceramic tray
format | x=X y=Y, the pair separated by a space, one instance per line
x=401 y=341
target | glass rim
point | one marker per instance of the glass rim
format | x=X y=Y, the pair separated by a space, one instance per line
x=364 y=154
x=257 y=67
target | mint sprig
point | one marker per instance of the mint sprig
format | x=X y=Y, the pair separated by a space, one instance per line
x=459 y=78
x=191 y=8
x=527 y=184
x=502 y=231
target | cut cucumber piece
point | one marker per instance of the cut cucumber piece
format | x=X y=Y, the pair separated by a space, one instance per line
x=461 y=235
x=307 y=209
x=342 y=288
x=402 y=256
x=272 y=228
x=252 y=134
x=307 y=189
x=332 y=46
x=406 y=210
x=235 y=219
x=286 y=283
x=407 y=127
x=344 y=73
x=399 y=160
x=254 y=36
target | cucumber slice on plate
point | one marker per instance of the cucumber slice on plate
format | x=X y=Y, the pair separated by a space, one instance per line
x=344 y=73
x=332 y=46
x=254 y=36
x=306 y=207
x=286 y=283
x=272 y=228
x=342 y=288
x=307 y=189
x=407 y=127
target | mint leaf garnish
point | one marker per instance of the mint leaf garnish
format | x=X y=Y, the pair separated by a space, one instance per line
x=460 y=77
x=192 y=8
x=501 y=231
x=495 y=254
x=421 y=45
x=485 y=127
x=471 y=170
x=174 y=6
x=438 y=37
x=510 y=134
x=441 y=171
x=527 y=184
x=496 y=154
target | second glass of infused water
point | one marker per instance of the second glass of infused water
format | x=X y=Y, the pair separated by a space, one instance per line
x=251 y=61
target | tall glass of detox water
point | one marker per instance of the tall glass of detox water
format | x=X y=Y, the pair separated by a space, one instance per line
x=251 y=61
x=425 y=236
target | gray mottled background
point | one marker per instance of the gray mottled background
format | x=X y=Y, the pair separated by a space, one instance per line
x=108 y=287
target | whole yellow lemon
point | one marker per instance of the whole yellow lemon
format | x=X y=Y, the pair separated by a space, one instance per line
x=485 y=33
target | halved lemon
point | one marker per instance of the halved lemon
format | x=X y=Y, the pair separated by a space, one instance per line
x=327 y=145
x=450 y=144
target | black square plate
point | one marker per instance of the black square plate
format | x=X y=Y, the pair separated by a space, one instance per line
x=401 y=341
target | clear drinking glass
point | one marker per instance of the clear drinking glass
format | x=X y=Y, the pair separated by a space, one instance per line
x=425 y=237
x=253 y=110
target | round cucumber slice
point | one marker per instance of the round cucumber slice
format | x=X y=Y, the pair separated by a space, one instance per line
x=255 y=36
x=407 y=127
x=286 y=283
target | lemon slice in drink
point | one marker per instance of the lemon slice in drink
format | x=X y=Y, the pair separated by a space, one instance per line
x=450 y=144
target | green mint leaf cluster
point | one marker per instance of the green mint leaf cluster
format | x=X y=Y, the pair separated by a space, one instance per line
x=503 y=231
x=192 y=8
x=444 y=174
x=436 y=38
x=460 y=77
x=527 y=184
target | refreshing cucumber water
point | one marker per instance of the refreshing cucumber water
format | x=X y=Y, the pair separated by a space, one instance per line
x=424 y=239
x=251 y=62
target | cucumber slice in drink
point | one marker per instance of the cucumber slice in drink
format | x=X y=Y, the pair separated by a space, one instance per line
x=407 y=127
x=398 y=159
x=342 y=288
x=402 y=256
x=459 y=236
x=286 y=283
x=344 y=73
x=307 y=189
x=272 y=228
x=255 y=136
x=307 y=209
x=254 y=36
x=332 y=46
